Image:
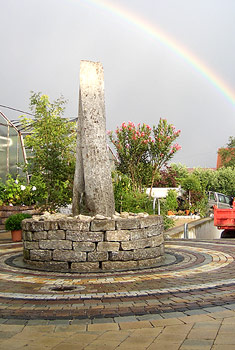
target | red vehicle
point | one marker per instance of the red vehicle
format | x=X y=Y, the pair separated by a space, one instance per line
x=224 y=219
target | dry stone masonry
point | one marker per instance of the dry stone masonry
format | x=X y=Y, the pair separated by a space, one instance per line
x=91 y=244
x=8 y=210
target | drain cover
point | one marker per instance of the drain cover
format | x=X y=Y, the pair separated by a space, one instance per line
x=65 y=288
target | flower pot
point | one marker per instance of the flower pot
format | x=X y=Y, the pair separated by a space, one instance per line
x=16 y=235
x=187 y=212
x=170 y=212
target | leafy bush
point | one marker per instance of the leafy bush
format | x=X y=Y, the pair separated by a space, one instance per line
x=167 y=221
x=171 y=200
x=14 y=221
x=168 y=177
x=53 y=142
x=141 y=156
x=127 y=199
x=18 y=192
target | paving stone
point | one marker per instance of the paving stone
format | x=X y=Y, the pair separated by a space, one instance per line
x=215 y=309
x=135 y=325
x=195 y=279
x=195 y=312
x=149 y=317
x=103 y=327
x=173 y=314
x=196 y=344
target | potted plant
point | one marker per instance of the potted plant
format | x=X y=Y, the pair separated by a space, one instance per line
x=13 y=224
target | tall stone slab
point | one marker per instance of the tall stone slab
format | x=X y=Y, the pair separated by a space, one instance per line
x=93 y=189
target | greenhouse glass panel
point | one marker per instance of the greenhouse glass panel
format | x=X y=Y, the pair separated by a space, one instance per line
x=11 y=149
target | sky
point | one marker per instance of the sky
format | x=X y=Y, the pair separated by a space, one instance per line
x=172 y=59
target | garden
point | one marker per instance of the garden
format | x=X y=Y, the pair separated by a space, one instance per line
x=142 y=156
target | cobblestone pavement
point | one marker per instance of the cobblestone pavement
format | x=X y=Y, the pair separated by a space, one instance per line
x=186 y=303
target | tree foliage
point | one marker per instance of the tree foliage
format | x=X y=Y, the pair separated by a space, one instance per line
x=142 y=151
x=52 y=142
x=228 y=153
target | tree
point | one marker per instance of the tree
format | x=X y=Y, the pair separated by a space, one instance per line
x=141 y=155
x=163 y=149
x=168 y=177
x=132 y=148
x=228 y=154
x=52 y=142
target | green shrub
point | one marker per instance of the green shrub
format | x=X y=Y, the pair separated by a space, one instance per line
x=171 y=200
x=14 y=221
x=128 y=199
x=167 y=222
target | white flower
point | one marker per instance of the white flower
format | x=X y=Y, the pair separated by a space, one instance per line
x=22 y=187
x=16 y=181
x=34 y=188
x=11 y=205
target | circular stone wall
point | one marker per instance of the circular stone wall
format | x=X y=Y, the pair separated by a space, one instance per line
x=85 y=244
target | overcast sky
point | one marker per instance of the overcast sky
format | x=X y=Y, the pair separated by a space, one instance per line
x=43 y=41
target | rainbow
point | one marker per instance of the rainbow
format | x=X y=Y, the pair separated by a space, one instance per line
x=170 y=42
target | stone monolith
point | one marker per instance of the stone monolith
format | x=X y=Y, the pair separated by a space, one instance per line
x=93 y=189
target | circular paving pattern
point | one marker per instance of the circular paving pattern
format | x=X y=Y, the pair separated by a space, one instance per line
x=194 y=275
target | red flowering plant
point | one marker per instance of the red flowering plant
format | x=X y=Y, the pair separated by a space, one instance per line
x=132 y=146
x=140 y=155
x=163 y=149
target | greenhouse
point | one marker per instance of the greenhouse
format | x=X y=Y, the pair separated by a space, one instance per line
x=12 y=152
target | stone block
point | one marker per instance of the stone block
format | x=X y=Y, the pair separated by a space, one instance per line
x=127 y=224
x=84 y=246
x=103 y=225
x=31 y=245
x=36 y=236
x=84 y=236
x=98 y=256
x=50 y=225
x=35 y=263
x=56 y=234
x=122 y=255
x=138 y=234
x=74 y=225
x=147 y=253
x=150 y=262
x=26 y=224
x=56 y=266
x=151 y=220
x=36 y=225
x=138 y=244
x=42 y=255
x=153 y=230
x=85 y=266
x=68 y=255
x=55 y=244
x=156 y=241
x=108 y=247
x=119 y=265
x=27 y=235
x=117 y=236
x=26 y=254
